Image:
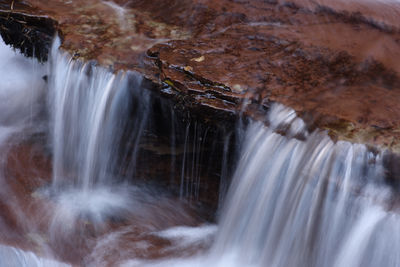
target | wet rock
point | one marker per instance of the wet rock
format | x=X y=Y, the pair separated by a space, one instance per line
x=335 y=63
x=32 y=35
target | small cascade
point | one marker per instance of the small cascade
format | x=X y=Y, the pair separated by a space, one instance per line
x=296 y=198
x=299 y=199
x=90 y=108
x=204 y=151
x=75 y=172
x=306 y=203
x=106 y=126
x=90 y=114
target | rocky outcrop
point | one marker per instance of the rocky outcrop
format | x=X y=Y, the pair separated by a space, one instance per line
x=336 y=63
x=32 y=35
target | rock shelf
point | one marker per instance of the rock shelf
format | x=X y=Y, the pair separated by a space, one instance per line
x=335 y=64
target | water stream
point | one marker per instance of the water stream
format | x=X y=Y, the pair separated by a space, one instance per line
x=77 y=152
x=308 y=202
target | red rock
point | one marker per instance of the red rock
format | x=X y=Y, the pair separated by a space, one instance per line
x=335 y=63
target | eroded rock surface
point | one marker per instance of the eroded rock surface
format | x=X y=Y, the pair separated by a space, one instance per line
x=334 y=62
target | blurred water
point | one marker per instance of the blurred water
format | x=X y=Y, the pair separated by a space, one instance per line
x=297 y=198
x=21 y=91
x=307 y=202
x=86 y=113
x=14 y=257
x=22 y=108
x=90 y=108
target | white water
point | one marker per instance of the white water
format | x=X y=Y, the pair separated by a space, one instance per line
x=13 y=257
x=308 y=203
x=89 y=109
x=88 y=106
x=303 y=203
x=22 y=91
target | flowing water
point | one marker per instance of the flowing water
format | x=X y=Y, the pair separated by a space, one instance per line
x=77 y=152
x=89 y=109
x=75 y=187
x=307 y=202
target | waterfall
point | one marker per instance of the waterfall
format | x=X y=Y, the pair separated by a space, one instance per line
x=307 y=202
x=300 y=199
x=297 y=198
x=90 y=109
x=91 y=130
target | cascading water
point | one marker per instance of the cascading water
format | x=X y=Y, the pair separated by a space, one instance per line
x=90 y=107
x=296 y=199
x=303 y=202
x=95 y=132
x=97 y=123
x=307 y=203
x=21 y=111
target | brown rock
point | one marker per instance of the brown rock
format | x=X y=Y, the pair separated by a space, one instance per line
x=334 y=63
